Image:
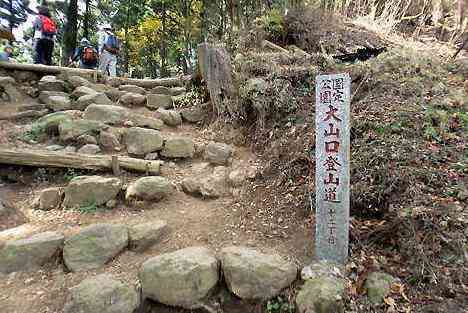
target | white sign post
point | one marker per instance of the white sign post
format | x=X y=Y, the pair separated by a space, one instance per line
x=332 y=154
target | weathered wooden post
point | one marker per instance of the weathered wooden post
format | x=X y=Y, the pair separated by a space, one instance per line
x=332 y=175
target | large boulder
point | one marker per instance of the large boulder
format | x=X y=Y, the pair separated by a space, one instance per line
x=143 y=236
x=98 y=98
x=149 y=188
x=94 y=246
x=83 y=91
x=51 y=83
x=378 y=286
x=132 y=89
x=194 y=114
x=321 y=295
x=9 y=87
x=141 y=141
x=156 y=101
x=183 y=278
x=161 y=90
x=178 y=147
x=89 y=149
x=103 y=294
x=51 y=122
x=170 y=117
x=77 y=81
x=44 y=95
x=218 y=153
x=58 y=103
x=253 y=275
x=109 y=141
x=177 y=91
x=50 y=198
x=132 y=99
x=108 y=114
x=31 y=253
x=114 y=94
x=140 y=120
x=72 y=129
x=90 y=190
x=209 y=185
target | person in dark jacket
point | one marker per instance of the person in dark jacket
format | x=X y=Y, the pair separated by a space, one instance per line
x=44 y=32
x=86 y=54
x=6 y=53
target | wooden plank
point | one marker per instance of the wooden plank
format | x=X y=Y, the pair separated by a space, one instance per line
x=43 y=158
x=45 y=69
x=149 y=83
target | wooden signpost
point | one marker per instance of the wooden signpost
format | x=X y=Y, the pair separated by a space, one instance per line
x=332 y=176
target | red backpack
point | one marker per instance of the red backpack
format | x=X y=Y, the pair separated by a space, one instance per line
x=48 y=26
x=89 y=56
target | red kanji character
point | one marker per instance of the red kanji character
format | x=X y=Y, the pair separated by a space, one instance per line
x=332 y=146
x=332 y=180
x=338 y=83
x=331 y=162
x=332 y=131
x=331 y=114
x=325 y=96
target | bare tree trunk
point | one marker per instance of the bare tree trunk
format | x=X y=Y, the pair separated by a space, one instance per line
x=69 y=36
x=86 y=20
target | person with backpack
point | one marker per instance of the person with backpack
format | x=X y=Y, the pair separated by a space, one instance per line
x=44 y=31
x=108 y=51
x=6 y=54
x=86 y=54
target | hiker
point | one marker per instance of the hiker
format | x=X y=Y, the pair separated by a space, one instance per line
x=6 y=53
x=108 y=50
x=44 y=32
x=86 y=54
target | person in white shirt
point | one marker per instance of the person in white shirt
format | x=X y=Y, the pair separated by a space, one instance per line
x=108 y=50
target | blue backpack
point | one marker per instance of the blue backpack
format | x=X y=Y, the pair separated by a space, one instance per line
x=112 y=42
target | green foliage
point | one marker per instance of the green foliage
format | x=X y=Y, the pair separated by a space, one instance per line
x=279 y=305
x=273 y=23
x=70 y=174
x=34 y=134
x=90 y=208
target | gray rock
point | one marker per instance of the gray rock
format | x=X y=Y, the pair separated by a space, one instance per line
x=82 y=91
x=103 y=294
x=177 y=91
x=111 y=204
x=58 y=103
x=51 y=83
x=322 y=269
x=170 y=117
x=152 y=156
x=141 y=141
x=161 y=90
x=97 y=98
x=51 y=122
x=140 y=120
x=94 y=246
x=87 y=190
x=178 y=147
x=156 y=101
x=7 y=80
x=132 y=89
x=237 y=177
x=89 y=149
x=72 y=129
x=50 y=198
x=149 y=188
x=108 y=114
x=194 y=114
x=55 y=148
x=132 y=99
x=69 y=149
x=87 y=139
x=321 y=295
x=183 y=278
x=109 y=141
x=77 y=81
x=31 y=253
x=143 y=236
x=378 y=286
x=218 y=153
x=100 y=87
x=210 y=185
x=45 y=95
x=114 y=94
x=253 y=275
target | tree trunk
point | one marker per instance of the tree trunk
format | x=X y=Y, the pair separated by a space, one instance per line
x=11 y=17
x=86 y=20
x=163 y=50
x=75 y=160
x=70 y=32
